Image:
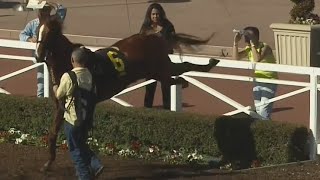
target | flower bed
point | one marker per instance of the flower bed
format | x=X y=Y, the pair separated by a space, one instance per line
x=169 y=136
x=135 y=150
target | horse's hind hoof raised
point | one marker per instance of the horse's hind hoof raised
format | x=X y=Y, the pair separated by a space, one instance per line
x=213 y=62
x=206 y=68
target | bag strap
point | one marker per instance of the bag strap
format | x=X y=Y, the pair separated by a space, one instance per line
x=73 y=77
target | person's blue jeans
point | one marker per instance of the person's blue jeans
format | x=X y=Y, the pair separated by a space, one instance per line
x=85 y=161
x=40 y=81
x=262 y=93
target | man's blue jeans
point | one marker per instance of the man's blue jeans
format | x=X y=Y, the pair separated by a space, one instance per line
x=262 y=93
x=40 y=81
x=83 y=157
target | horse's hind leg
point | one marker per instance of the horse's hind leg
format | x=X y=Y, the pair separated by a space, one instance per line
x=52 y=140
x=180 y=68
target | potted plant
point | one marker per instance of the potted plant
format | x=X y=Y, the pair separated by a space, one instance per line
x=298 y=42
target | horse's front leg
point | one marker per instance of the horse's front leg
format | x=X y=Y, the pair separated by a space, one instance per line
x=52 y=140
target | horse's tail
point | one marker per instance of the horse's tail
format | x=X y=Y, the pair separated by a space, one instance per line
x=188 y=41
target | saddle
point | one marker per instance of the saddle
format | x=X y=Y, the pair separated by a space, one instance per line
x=109 y=62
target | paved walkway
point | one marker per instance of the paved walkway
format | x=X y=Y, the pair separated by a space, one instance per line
x=121 y=18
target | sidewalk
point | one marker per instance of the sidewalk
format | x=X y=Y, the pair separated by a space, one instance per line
x=115 y=18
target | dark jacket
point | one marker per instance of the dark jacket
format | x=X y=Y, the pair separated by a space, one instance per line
x=167 y=31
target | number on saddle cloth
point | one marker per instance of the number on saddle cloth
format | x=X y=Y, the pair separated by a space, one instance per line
x=117 y=58
x=84 y=102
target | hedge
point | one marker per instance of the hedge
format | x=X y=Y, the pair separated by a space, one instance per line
x=236 y=139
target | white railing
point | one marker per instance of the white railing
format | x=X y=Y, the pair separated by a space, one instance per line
x=23 y=45
x=176 y=104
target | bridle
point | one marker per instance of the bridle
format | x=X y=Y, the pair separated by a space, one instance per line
x=39 y=42
x=47 y=53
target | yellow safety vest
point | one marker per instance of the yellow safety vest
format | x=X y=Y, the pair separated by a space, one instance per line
x=267 y=59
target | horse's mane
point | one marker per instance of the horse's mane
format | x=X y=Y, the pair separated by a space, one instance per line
x=55 y=24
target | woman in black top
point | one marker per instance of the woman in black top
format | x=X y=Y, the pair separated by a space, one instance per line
x=156 y=22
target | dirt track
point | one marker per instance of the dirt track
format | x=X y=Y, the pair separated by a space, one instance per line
x=20 y=162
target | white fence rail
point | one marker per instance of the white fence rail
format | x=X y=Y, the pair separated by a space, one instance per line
x=176 y=104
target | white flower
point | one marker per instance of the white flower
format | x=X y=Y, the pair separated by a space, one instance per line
x=64 y=142
x=151 y=150
x=24 y=136
x=120 y=152
x=18 y=141
x=11 y=130
x=126 y=153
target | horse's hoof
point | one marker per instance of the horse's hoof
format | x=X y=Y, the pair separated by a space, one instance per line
x=45 y=167
x=206 y=68
x=213 y=62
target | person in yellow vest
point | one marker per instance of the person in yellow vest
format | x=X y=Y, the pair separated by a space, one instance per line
x=260 y=52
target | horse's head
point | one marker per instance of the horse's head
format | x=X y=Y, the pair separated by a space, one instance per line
x=49 y=35
x=54 y=48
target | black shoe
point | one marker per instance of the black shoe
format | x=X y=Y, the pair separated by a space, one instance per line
x=185 y=84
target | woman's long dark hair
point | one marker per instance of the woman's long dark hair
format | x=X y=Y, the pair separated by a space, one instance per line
x=162 y=16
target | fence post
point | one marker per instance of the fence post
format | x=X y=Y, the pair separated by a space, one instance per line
x=176 y=97
x=313 y=116
x=46 y=80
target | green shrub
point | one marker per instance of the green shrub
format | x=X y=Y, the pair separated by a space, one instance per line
x=237 y=139
x=301 y=13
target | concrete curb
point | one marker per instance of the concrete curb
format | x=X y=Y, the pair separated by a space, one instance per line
x=205 y=50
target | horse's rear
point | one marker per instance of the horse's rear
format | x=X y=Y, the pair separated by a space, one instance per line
x=147 y=55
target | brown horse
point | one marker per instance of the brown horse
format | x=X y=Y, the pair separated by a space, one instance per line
x=113 y=69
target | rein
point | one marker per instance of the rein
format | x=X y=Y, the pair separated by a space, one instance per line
x=53 y=79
